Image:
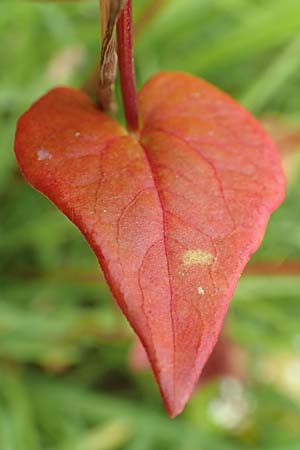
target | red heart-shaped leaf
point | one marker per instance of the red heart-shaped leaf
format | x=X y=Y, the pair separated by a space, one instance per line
x=173 y=215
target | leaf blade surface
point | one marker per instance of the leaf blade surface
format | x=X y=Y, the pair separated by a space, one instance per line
x=173 y=217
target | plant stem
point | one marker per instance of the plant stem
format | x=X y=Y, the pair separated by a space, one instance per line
x=91 y=85
x=126 y=67
x=104 y=14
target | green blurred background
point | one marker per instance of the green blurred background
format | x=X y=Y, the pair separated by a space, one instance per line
x=67 y=378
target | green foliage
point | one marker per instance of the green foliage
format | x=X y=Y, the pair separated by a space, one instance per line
x=65 y=382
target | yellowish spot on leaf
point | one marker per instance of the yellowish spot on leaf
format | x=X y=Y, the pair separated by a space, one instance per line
x=197 y=257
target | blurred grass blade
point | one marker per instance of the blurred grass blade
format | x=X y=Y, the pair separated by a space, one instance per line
x=273 y=79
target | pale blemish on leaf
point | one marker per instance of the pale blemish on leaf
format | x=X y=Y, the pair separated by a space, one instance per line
x=197 y=257
x=200 y=290
x=43 y=154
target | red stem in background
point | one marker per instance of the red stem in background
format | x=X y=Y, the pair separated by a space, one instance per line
x=126 y=67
